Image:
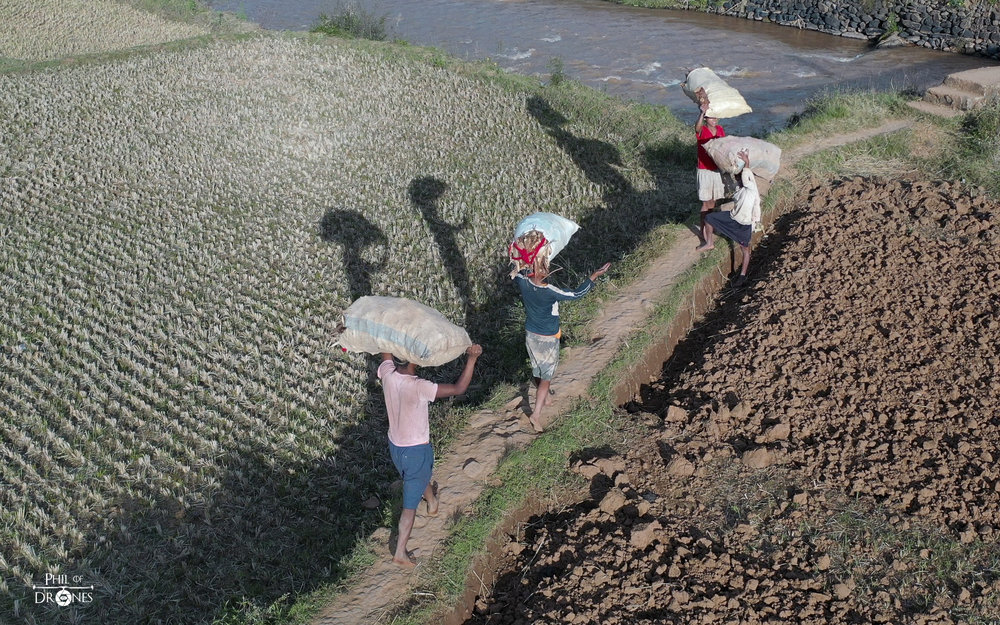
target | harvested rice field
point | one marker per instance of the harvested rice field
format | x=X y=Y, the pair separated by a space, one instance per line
x=42 y=30
x=182 y=228
x=820 y=449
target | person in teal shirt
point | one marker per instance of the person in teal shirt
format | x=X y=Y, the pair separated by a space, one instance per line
x=541 y=307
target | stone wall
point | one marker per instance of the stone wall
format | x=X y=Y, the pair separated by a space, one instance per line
x=972 y=29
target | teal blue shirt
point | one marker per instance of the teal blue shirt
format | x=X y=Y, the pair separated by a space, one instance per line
x=541 y=303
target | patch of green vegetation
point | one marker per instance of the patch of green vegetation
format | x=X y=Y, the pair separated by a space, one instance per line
x=920 y=563
x=557 y=73
x=836 y=113
x=974 y=156
x=176 y=9
x=350 y=19
x=194 y=12
x=884 y=155
x=968 y=150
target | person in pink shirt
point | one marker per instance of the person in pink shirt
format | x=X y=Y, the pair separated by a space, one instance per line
x=406 y=401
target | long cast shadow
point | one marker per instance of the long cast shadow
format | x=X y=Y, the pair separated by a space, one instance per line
x=355 y=234
x=425 y=194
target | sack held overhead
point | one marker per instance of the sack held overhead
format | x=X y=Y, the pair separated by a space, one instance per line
x=723 y=100
x=765 y=158
x=538 y=238
x=406 y=329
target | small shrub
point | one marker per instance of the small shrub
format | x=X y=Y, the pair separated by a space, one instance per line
x=557 y=75
x=891 y=25
x=353 y=20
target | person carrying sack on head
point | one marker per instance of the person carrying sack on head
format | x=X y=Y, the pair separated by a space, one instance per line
x=710 y=185
x=406 y=401
x=541 y=309
x=741 y=222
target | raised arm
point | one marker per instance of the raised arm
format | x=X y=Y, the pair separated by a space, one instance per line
x=459 y=387
x=701 y=120
x=603 y=269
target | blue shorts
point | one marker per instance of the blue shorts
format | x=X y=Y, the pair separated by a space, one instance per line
x=414 y=465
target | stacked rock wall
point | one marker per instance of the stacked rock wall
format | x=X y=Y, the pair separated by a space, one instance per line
x=973 y=28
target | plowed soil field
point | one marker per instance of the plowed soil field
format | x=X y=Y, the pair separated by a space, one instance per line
x=823 y=448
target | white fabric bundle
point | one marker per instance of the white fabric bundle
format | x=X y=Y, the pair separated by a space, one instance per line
x=406 y=329
x=765 y=158
x=723 y=100
x=556 y=230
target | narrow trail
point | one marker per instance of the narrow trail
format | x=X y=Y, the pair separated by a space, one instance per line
x=461 y=474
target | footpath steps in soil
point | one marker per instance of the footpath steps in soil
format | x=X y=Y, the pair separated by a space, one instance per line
x=961 y=92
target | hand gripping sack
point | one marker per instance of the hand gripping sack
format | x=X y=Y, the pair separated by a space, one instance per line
x=723 y=100
x=765 y=158
x=406 y=329
x=555 y=232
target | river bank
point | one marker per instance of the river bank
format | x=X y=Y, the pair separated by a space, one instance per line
x=963 y=27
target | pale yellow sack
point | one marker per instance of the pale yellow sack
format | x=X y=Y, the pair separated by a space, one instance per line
x=765 y=157
x=723 y=100
x=406 y=329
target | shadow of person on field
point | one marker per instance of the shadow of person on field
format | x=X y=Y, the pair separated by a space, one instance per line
x=598 y=160
x=425 y=193
x=360 y=240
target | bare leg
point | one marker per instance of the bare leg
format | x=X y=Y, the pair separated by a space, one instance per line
x=709 y=239
x=401 y=557
x=706 y=208
x=746 y=259
x=430 y=496
x=541 y=398
x=538 y=381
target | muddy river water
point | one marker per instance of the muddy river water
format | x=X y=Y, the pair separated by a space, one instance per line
x=640 y=54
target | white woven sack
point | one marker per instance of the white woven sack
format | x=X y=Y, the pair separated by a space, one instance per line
x=556 y=230
x=723 y=100
x=765 y=158
x=406 y=329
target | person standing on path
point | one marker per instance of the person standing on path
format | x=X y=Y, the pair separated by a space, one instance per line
x=740 y=223
x=710 y=186
x=407 y=398
x=541 y=308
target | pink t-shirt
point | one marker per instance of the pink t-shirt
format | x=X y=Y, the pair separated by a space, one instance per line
x=406 y=400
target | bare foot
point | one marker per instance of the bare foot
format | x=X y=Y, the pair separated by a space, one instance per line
x=704 y=247
x=434 y=503
x=408 y=564
x=536 y=425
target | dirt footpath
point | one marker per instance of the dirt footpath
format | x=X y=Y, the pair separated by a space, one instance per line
x=822 y=449
x=474 y=455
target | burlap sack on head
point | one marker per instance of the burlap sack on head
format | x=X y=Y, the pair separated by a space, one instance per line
x=538 y=238
x=723 y=100
x=406 y=329
x=765 y=158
